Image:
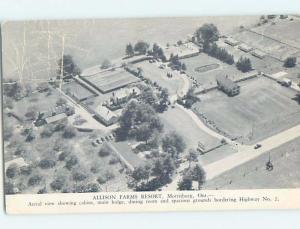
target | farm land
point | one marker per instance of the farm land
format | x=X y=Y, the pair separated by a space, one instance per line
x=157 y=125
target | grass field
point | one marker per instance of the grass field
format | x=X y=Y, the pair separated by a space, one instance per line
x=253 y=174
x=111 y=80
x=265 y=44
x=77 y=90
x=262 y=109
x=92 y=41
x=156 y=74
x=175 y=119
x=208 y=78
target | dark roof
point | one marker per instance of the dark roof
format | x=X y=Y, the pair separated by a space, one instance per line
x=226 y=82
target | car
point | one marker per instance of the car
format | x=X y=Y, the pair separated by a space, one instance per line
x=107 y=138
x=257 y=146
x=102 y=139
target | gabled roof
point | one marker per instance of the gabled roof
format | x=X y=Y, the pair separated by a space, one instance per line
x=55 y=118
x=105 y=113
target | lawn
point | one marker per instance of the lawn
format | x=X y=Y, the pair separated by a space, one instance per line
x=205 y=68
x=263 y=108
x=265 y=44
x=253 y=174
x=75 y=89
x=175 y=119
x=156 y=74
x=111 y=80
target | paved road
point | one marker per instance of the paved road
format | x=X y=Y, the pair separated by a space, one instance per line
x=249 y=153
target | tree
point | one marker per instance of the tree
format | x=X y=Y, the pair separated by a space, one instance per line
x=183 y=67
x=61 y=101
x=290 y=62
x=199 y=175
x=12 y=89
x=69 y=132
x=11 y=171
x=129 y=50
x=141 y=173
x=185 y=184
x=147 y=96
x=104 y=151
x=141 y=47
x=244 y=64
x=31 y=113
x=106 y=64
x=138 y=119
x=163 y=100
x=192 y=156
x=207 y=33
x=173 y=144
x=67 y=67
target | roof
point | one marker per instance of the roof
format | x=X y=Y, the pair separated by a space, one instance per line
x=55 y=118
x=226 y=82
x=18 y=161
x=105 y=113
x=123 y=93
x=245 y=47
x=258 y=53
x=231 y=41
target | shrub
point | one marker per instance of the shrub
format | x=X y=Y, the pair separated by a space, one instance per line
x=62 y=156
x=47 y=131
x=113 y=160
x=26 y=170
x=101 y=180
x=78 y=176
x=42 y=191
x=46 y=164
x=109 y=175
x=57 y=184
x=104 y=151
x=69 y=132
x=34 y=180
x=11 y=171
x=92 y=187
x=71 y=162
x=290 y=62
x=9 y=188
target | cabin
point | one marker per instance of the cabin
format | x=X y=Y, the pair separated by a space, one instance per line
x=245 y=48
x=227 y=85
x=55 y=114
x=231 y=41
x=257 y=53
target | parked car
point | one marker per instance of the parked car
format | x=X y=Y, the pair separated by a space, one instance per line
x=257 y=146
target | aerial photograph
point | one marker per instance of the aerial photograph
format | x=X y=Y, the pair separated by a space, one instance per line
x=151 y=104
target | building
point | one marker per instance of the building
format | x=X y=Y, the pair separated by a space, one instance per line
x=105 y=116
x=231 y=41
x=258 y=54
x=123 y=95
x=227 y=85
x=56 y=118
x=245 y=48
x=54 y=114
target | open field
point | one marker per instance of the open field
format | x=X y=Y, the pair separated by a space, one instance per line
x=76 y=90
x=111 y=80
x=253 y=174
x=91 y=41
x=262 y=109
x=156 y=74
x=268 y=45
x=175 y=119
x=208 y=78
x=285 y=31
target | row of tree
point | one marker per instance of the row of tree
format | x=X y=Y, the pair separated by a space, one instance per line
x=219 y=53
x=141 y=47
